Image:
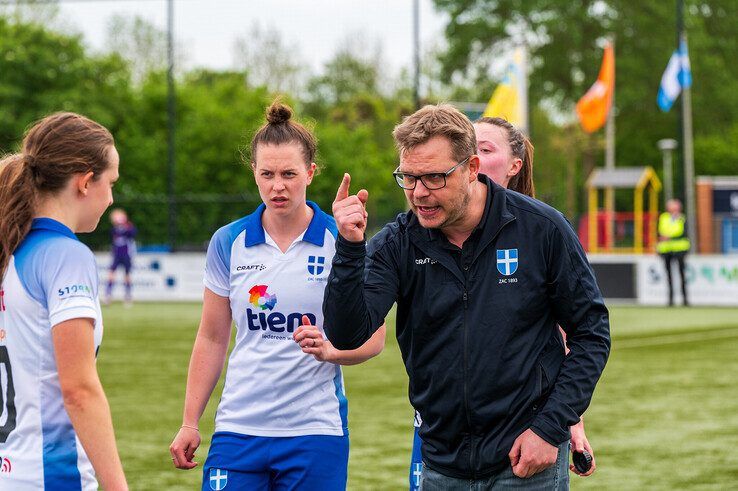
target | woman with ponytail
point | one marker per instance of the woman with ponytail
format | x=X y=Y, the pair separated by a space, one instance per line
x=58 y=431
x=282 y=419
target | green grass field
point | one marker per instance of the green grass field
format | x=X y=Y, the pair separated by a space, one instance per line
x=664 y=416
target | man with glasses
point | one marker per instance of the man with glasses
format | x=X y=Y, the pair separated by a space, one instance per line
x=481 y=277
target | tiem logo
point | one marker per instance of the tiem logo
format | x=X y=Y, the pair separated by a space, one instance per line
x=5 y=466
x=275 y=321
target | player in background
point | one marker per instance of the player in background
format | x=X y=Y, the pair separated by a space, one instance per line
x=123 y=236
x=281 y=422
x=57 y=432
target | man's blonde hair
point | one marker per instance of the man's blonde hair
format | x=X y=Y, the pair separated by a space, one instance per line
x=439 y=120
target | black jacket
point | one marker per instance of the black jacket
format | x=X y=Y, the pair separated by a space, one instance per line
x=482 y=349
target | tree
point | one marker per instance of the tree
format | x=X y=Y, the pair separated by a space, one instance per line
x=565 y=39
x=356 y=68
x=268 y=62
x=142 y=44
x=44 y=72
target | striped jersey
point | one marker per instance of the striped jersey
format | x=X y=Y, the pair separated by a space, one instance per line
x=51 y=278
x=272 y=388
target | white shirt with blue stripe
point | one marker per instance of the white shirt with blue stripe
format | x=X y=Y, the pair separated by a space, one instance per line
x=272 y=388
x=51 y=278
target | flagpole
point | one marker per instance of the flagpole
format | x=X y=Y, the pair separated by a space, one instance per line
x=416 y=53
x=610 y=126
x=610 y=163
x=687 y=146
x=523 y=87
x=688 y=151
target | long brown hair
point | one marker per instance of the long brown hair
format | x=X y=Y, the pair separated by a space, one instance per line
x=521 y=148
x=280 y=129
x=53 y=150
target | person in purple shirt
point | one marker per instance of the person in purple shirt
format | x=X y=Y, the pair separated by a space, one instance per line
x=123 y=236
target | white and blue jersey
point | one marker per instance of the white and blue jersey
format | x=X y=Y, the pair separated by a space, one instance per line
x=272 y=388
x=51 y=278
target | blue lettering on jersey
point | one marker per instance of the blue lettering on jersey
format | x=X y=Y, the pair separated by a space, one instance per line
x=276 y=321
x=74 y=290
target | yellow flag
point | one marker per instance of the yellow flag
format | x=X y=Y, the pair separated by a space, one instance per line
x=509 y=98
x=504 y=102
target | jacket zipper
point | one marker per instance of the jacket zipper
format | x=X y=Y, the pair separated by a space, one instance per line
x=465 y=297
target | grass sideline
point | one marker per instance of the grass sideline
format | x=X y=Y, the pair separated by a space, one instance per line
x=664 y=416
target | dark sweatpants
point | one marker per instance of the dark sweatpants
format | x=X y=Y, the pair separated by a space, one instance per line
x=669 y=257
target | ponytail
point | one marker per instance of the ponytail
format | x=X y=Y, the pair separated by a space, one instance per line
x=54 y=149
x=17 y=204
x=522 y=182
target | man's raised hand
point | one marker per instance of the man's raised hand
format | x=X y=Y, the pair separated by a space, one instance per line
x=350 y=211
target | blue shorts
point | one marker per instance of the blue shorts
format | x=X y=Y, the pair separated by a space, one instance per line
x=416 y=462
x=119 y=261
x=314 y=462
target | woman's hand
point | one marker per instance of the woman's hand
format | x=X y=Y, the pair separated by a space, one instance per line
x=183 y=447
x=312 y=342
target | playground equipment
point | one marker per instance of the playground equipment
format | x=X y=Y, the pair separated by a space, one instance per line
x=640 y=179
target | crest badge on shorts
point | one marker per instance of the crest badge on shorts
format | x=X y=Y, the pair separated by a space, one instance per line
x=218 y=479
x=507 y=261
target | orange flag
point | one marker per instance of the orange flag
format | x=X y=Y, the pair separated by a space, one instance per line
x=593 y=107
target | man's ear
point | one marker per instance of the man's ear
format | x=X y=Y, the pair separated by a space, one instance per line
x=83 y=182
x=473 y=167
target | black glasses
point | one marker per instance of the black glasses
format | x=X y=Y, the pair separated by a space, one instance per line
x=434 y=180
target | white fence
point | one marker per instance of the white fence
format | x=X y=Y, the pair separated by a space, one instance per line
x=158 y=276
x=711 y=280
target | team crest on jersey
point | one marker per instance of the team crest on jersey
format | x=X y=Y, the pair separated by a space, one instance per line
x=507 y=261
x=316 y=265
x=218 y=479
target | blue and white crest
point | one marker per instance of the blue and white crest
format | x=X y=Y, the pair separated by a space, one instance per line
x=218 y=479
x=507 y=261
x=316 y=265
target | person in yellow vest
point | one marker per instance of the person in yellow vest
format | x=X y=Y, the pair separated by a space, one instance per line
x=673 y=244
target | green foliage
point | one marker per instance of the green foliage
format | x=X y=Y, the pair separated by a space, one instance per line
x=345 y=76
x=565 y=39
x=718 y=151
x=353 y=106
x=216 y=115
x=356 y=137
x=44 y=72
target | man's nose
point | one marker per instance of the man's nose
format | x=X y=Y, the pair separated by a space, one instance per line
x=420 y=190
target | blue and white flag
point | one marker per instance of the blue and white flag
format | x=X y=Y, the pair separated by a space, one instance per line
x=677 y=76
